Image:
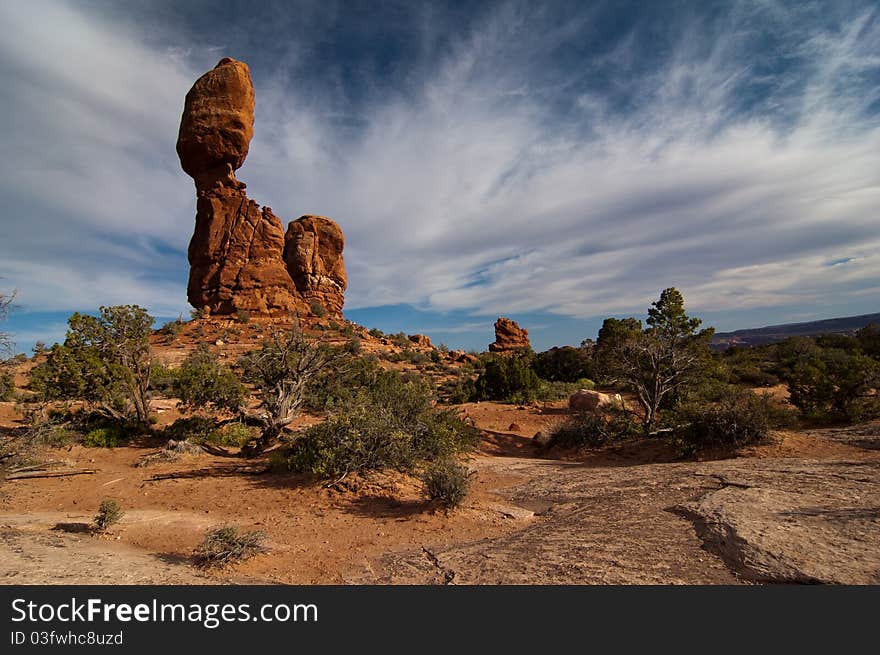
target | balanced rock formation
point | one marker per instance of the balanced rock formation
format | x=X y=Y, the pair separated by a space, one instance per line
x=240 y=257
x=509 y=337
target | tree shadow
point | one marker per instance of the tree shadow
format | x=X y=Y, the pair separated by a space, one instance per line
x=74 y=528
x=387 y=507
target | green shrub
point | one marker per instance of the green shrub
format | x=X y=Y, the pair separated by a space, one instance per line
x=550 y=391
x=172 y=328
x=109 y=513
x=202 y=381
x=564 y=364
x=228 y=544
x=7 y=386
x=232 y=434
x=388 y=423
x=318 y=309
x=376 y=333
x=508 y=379
x=593 y=429
x=354 y=346
x=742 y=418
x=243 y=317
x=108 y=437
x=333 y=325
x=162 y=379
x=446 y=481
x=197 y=313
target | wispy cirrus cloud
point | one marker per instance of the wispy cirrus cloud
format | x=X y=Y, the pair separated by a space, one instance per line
x=519 y=160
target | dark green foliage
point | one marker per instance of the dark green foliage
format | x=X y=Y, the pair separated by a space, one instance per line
x=243 y=317
x=509 y=379
x=228 y=544
x=739 y=419
x=389 y=422
x=376 y=333
x=109 y=513
x=354 y=346
x=7 y=386
x=613 y=335
x=333 y=325
x=318 y=309
x=836 y=383
x=197 y=313
x=203 y=382
x=337 y=385
x=435 y=356
x=400 y=339
x=868 y=339
x=564 y=364
x=446 y=481
x=104 y=361
x=593 y=429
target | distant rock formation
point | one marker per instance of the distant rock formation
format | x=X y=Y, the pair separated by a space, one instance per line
x=421 y=340
x=509 y=337
x=240 y=257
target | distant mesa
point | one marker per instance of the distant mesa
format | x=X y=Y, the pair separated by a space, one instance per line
x=241 y=259
x=509 y=337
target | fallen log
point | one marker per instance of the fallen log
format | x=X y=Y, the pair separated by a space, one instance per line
x=49 y=474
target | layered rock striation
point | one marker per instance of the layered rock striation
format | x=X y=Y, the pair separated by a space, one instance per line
x=241 y=259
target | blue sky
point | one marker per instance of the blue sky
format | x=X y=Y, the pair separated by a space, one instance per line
x=553 y=162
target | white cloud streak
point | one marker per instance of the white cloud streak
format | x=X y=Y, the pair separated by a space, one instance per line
x=475 y=191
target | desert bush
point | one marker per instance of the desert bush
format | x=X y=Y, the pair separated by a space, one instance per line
x=172 y=329
x=197 y=313
x=228 y=544
x=162 y=379
x=203 y=382
x=333 y=325
x=318 y=309
x=231 y=434
x=507 y=379
x=354 y=346
x=459 y=390
x=7 y=386
x=564 y=364
x=741 y=418
x=109 y=512
x=376 y=333
x=835 y=384
x=593 y=429
x=196 y=429
x=446 y=481
x=389 y=424
x=107 y=437
x=550 y=391
x=243 y=317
